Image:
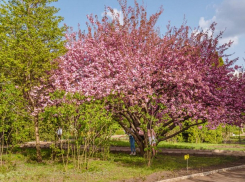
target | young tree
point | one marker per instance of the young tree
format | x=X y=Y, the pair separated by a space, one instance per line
x=30 y=39
x=170 y=81
x=86 y=120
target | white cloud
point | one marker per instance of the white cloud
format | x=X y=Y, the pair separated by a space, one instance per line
x=205 y=23
x=117 y=13
x=229 y=16
x=235 y=40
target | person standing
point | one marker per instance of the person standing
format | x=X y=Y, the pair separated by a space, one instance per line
x=152 y=138
x=132 y=143
x=59 y=133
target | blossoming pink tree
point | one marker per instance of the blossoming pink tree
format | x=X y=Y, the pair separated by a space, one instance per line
x=172 y=81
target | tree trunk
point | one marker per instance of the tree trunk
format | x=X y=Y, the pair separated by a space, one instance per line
x=140 y=144
x=38 y=148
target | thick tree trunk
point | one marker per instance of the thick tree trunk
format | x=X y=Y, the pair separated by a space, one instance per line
x=141 y=145
x=38 y=148
x=142 y=151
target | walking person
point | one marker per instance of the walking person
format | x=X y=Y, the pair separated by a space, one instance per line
x=152 y=138
x=132 y=143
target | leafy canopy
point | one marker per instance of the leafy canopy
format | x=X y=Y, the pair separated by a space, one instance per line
x=30 y=38
x=165 y=80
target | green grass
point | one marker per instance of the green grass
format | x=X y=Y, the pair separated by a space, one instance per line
x=120 y=132
x=193 y=146
x=120 y=143
x=202 y=146
x=119 y=166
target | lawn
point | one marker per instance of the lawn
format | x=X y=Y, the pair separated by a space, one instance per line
x=202 y=146
x=183 y=145
x=21 y=166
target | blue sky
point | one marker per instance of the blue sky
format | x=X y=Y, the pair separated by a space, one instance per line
x=229 y=14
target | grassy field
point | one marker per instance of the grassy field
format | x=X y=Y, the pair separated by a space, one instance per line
x=22 y=167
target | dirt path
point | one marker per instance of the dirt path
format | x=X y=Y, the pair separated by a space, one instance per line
x=215 y=152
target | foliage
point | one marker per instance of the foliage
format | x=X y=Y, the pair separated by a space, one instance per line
x=30 y=38
x=14 y=121
x=203 y=134
x=119 y=131
x=11 y=111
x=82 y=119
x=173 y=82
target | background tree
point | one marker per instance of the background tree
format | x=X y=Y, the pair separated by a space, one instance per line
x=30 y=40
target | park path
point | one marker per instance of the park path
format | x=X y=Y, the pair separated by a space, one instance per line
x=237 y=175
x=160 y=150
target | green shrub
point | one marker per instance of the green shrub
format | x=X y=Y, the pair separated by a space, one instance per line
x=203 y=135
x=119 y=132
